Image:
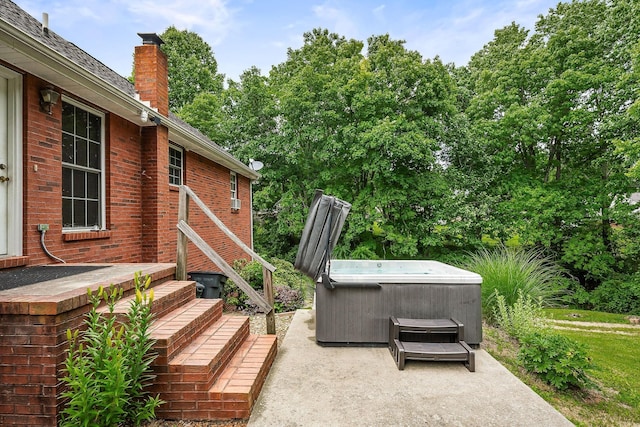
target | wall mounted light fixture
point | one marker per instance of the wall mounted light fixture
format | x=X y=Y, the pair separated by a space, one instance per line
x=48 y=98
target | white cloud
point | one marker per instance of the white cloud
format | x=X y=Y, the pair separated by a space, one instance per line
x=378 y=12
x=211 y=19
x=337 y=20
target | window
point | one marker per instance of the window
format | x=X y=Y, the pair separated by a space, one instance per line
x=234 y=186
x=82 y=167
x=235 y=202
x=175 y=165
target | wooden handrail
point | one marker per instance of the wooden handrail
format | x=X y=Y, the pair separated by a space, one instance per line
x=224 y=228
x=186 y=233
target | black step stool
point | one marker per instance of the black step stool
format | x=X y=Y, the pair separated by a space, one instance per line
x=430 y=340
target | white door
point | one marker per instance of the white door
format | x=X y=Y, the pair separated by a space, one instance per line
x=5 y=179
x=10 y=163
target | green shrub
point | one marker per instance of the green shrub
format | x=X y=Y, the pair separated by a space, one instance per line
x=109 y=365
x=290 y=286
x=513 y=272
x=558 y=360
x=251 y=272
x=519 y=319
x=618 y=295
x=286 y=275
x=287 y=299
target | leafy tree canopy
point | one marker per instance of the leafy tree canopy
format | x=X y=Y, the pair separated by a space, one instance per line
x=192 y=67
x=534 y=143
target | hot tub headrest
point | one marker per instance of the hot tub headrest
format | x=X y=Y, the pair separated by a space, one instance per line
x=327 y=215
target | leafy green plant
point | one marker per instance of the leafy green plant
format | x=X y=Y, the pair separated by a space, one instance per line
x=108 y=365
x=521 y=318
x=558 y=360
x=286 y=275
x=513 y=272
x=618 y=295
x=290 y=286
x=251 y=272
x=287 y=299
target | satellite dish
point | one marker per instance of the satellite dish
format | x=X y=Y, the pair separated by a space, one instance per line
x=255 y=164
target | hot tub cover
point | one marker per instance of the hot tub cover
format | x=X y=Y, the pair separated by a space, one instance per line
x=327 y=215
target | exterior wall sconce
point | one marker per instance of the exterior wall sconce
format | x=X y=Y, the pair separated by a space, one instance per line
x=48 y=98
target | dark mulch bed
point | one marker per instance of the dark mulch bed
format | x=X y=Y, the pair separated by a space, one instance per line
x=16 y=277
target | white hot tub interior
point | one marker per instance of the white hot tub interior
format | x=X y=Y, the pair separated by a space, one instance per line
x=400 y=271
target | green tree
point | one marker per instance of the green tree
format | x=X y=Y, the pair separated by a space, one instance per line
x=367 y=129
x=546 y=110
x=192 y=67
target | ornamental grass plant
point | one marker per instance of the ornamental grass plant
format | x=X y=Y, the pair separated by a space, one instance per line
x=516 y=272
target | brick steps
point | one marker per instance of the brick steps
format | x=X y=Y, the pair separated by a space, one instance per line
x=234 y=392
x=209 y=366
x=174 y=331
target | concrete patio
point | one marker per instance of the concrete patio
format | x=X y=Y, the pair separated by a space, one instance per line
x=311 y=385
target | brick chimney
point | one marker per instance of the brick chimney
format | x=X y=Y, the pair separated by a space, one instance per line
x=152 y=84
x=151 y=72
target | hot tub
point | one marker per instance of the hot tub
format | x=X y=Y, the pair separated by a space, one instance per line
x=354 y=298
x=355 y=309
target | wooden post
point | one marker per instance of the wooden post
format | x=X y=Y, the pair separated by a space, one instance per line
x=267 y=283
x=181 y=256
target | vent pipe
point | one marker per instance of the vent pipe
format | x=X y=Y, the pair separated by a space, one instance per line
x=45 y=23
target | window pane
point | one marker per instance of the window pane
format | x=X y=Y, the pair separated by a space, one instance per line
x=79 y=215
x=66 y=182
x=68 y=119
x=175 y=166
x=67 y=148
x=81 y=152
x=95 y=127
x=94 y=155
x=81 y=123
x=92 y=214
x=79 y=189
x=82 y=204
x=67 y=213
x=234 y=183
x=92 y=186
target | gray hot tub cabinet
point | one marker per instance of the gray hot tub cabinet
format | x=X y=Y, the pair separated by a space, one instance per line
x=356 y=311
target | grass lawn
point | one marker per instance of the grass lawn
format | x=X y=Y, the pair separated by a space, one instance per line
x=613 y=349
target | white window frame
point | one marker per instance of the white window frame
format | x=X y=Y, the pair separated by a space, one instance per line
x=101 y=197
x=234 y=185
x=180 y=150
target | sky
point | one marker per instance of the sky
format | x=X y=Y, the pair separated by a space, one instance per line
x=245 y=33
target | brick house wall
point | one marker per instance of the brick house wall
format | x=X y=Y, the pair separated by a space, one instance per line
x=211 y=183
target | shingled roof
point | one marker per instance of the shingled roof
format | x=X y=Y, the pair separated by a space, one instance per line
x=14 y=15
